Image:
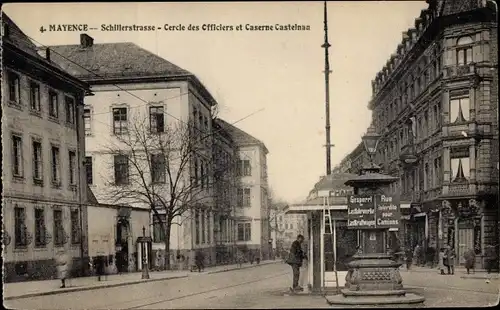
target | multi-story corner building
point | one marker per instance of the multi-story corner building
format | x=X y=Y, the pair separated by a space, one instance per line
x=253 y=235
x=134 y=87
x=43 y=149
x=435 y=103
x=226 y=183
x=285 y=227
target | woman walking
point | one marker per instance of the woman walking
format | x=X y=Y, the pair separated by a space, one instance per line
x=450 y=259
x=470 y=261
x=63 y=266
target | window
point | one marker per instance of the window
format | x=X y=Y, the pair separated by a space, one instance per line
x=17 y=156
x=55 y=163
x=39 y=227
x=245 y=169
x=35 y=97
x=72 y=167
x=75 y=226
x=70 y=110
x=464 y=51
x=158 y=231
x=158 y=168
x=121 y=169
x=244 y=197
x=89 y=170
x=437 y=171
x=459 y=110
x=426 y=177
x=21 y=233
x=37 y=161
x=460 y=169
x=244 y=231
x=87 y=121
x=203 y=224
x=120 y=124
x=157 y=119
x=202 y=173
x=14 y=88
x=58 y=228
x=437 y=117
x=197 y=225
x=53 y=104
x=195 y=178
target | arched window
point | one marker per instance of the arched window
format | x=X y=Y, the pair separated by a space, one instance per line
x=464 y=50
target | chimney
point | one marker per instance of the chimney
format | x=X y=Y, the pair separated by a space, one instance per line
x=86 y=40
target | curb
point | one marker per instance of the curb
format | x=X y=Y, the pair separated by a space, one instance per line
x=243 y=267
x=480 y=277
x=90 y=288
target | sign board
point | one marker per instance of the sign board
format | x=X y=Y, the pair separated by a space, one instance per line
x=373 y=211
x=388 y=214
x=360 y=212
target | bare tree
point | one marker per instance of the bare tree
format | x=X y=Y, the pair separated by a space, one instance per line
x=166 y=168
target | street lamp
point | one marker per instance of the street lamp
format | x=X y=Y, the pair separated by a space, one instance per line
x=370 y=141
x=145 y=271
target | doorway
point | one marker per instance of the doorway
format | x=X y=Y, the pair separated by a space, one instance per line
x=465 y=238
x=121 y=244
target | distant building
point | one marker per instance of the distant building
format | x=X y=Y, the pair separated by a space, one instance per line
x=43 y=147
x=252 y=214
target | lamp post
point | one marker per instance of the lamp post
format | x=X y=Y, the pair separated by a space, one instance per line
x=145 y=271
x=373 y=277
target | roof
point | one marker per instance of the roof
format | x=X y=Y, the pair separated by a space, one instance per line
x=334 y=181
x=16 y=37
x=111 y=60
x=240 y=137
x=372 y=178
x=91 y=198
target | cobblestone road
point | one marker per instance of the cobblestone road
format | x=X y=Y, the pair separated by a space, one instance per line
x=260 y=287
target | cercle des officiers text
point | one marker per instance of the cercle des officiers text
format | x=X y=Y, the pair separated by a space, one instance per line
x=175 y=27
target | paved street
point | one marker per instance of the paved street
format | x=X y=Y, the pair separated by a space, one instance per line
x=259 y=287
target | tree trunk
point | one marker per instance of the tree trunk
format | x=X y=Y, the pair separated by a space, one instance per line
x=167 y=245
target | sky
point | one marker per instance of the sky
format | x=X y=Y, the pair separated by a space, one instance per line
x=273 y=79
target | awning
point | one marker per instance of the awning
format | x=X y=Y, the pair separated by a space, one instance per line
x=304 y=209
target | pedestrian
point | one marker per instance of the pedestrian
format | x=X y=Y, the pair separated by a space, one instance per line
x=470 y=260
x=100 y=267
x=416 y=255
x=409 y=258
x=489 y=255
x=295 y=258
x=450 y=259
x=442 y=261
x=199 y=260
x=63 y=265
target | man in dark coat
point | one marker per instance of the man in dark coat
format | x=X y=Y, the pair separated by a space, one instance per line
x=199 y=260
x=295 y=258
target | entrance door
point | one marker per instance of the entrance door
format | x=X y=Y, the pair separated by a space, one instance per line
x=465 y=242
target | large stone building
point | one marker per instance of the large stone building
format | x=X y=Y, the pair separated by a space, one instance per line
x=139 y=93
x=43 y=150
x=251 y=213
x=435 y=103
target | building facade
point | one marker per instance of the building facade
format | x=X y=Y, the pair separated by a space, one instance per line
x=133 y=87
x=43 y=148
x=252 y=214
x=435 y=103
x=226 y=183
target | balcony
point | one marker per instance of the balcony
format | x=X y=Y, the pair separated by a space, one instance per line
x=408 y=155
x=461 y=130
x=459 y=71
x=460 y=189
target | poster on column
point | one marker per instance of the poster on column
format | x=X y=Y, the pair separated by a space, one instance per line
x=388 y=214
x=360 y=212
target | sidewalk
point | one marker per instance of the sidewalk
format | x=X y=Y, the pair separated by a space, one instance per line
x=49 y=287
x=461 y=271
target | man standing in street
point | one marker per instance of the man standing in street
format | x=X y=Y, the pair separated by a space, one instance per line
x=295 y=258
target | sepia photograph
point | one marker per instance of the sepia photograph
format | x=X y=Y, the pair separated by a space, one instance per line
x=250 y=155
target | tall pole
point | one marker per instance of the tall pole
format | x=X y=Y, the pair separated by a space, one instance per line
x=327 y=72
